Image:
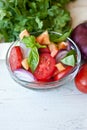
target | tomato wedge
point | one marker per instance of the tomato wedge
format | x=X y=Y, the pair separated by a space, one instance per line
x=44 y=50
x=15 y=58
x=46 y=67
x=63 y=73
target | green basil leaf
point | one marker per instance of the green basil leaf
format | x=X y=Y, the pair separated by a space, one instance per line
x=62 y=37
x=39 y=45
x=33 y=58
x=29 y=41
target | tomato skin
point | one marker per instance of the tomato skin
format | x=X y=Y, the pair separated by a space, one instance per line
x=44 y=50
x=45 y=67
x=81 y=79
x=15 y=58
x=62 y=73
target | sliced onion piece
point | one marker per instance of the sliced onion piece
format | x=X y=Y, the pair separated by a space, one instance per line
x=24 y=75
x=25 y=50
x=61 y=54
x=69 y=45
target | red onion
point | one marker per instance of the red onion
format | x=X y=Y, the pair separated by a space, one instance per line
x=24 y=75
x=25 y=50
x=61 y=54
x=79 y=36
x=69 y=45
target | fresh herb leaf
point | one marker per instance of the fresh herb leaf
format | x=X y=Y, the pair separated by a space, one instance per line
x=34 y=15
x=29 y=41
x=33 y=58
x=62 y=37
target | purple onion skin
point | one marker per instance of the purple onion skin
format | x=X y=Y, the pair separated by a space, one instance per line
x=79 y=36
x=61 y=54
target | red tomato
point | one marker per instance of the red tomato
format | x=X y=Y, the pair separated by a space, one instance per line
x=15 y=58
x=81 y=79
x=44 y=50
x=45 y=68
x=62 y=73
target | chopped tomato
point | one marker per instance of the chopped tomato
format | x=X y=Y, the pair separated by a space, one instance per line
x=15 y=58
x=44 y=50
x=62 y=73
x=43 y=38
x=45 y=68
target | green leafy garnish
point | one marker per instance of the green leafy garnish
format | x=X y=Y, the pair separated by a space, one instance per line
x=33 y=58
x=62 y=37
x=34 y=15
x=70 y=58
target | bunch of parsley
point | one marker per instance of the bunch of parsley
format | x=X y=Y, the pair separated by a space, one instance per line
x=34 y=15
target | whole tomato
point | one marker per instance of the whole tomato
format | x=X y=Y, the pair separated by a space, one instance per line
x=81 y=78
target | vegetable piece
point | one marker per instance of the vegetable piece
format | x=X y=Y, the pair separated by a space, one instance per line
x=60 y=67
x=81 y=79
x=62 y=45
x=33 y=59
x=43 y=38
x=61 y=54
x=70 y=58
x=44 y=50
x=62 y=37
x=25 y=51
x=15 y=58
x=79 y=36
x=53 y=49
x=45 y=67
x=25 y=64
x=63 y=73
x=24 y=75
x=23 y=34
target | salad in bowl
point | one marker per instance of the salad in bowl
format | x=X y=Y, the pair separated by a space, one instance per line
x=43 y=59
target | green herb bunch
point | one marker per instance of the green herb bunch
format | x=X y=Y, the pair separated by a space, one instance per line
x=34 y=15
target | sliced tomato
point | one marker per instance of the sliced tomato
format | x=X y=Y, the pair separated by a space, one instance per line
x=62 y=73
x=45 y=68
x=15 y=58
x=44 y=50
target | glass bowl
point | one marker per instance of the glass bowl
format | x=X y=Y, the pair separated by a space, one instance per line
x=46 y=85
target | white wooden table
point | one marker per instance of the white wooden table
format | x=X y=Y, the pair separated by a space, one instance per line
x=63 y=108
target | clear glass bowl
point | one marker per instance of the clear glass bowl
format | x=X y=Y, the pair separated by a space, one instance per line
x=46 y=85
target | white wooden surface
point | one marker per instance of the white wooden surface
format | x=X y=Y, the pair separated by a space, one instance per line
x=63 y=108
